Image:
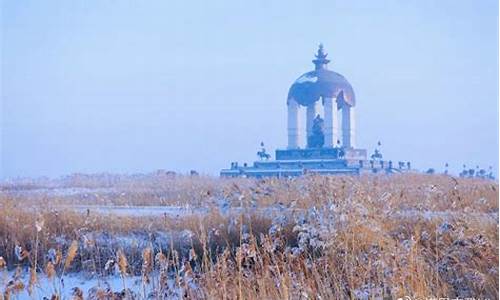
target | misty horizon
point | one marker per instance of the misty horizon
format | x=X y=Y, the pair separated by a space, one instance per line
x=120 y=87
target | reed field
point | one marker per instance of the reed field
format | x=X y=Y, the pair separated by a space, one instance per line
x=166 y=236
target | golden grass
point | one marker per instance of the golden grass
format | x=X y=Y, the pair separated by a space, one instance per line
x=305 y=238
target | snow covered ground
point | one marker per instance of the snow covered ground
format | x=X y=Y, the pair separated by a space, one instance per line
x=136 y=210
x=71 y=284
x=47 y=287
x=179 y=211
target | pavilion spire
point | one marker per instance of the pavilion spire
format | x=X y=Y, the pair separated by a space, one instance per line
x=321 y=61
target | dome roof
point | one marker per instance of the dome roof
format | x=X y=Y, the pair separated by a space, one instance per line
x=321 y=82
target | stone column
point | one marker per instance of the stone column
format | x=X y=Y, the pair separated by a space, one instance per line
x=331 y=121
x=310 y=115
x=348 y=127
x=293 y=124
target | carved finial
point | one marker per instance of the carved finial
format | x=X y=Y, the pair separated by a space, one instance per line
x=321 y=53
x=321 y=60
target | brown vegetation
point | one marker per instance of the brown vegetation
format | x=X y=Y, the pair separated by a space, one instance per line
x=306 y=238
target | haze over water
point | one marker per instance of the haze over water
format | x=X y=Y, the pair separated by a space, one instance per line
x=123 y=86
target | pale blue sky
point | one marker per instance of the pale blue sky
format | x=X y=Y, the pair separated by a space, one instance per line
x=134 y=86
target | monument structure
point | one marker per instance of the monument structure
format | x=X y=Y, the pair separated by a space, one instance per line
x=326 y=143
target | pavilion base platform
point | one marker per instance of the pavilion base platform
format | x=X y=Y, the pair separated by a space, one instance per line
x=297 y=162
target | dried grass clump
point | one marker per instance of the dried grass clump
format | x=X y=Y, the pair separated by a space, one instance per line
x=71 y=254
x=311 y=237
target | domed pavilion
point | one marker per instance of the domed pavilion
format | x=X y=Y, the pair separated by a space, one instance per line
x=325 y=143
x=336 y=96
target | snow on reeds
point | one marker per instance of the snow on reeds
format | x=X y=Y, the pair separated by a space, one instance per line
x=306 y=238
